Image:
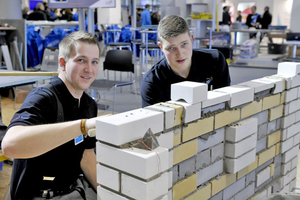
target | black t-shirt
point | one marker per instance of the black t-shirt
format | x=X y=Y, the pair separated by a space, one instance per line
x=208 y=66
x=63 y=162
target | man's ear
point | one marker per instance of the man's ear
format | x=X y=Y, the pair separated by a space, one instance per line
x=160 y=45
x=62 y=64
x=192 y=37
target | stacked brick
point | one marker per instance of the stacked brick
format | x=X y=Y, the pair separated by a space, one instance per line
x=237 y=142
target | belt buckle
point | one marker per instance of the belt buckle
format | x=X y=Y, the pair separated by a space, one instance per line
x=47 y=193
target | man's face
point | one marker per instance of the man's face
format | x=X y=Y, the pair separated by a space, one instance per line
x=178 y=52
x=253 y=9
x=82 y=68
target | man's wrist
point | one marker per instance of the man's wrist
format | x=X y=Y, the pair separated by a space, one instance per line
x=82 y=127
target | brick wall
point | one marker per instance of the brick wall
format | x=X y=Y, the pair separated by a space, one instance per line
x=237 y=142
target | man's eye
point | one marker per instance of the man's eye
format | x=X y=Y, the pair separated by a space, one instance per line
x=171 y=48
x=80 y=60
x=184 y=44
x=95 y=62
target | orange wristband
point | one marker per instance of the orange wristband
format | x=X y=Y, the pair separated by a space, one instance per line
x=82 y=127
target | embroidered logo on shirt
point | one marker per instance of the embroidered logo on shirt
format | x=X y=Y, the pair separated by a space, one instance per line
x=19 y=117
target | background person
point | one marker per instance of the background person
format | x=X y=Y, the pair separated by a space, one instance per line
x=146 y=16
x=253 y=20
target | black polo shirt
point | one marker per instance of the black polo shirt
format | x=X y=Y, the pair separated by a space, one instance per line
x=208 y=66
x=63 y=162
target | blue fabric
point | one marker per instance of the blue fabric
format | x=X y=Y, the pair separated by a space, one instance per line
x=54 y=37
x=110 y=36
x=125 y=34
x=75 y=17
x=35 y=46
x=146 y=17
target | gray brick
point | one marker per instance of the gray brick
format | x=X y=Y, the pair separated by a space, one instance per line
x=262 y=131
x=277 y=160
x=234 y=188
x=263 y=184
x=217 y=152
x=263 y=166
x=278 y=123
x=261 y=144
x=217 y=196
x=209 y=172
x=187 y=167
x=277 y=171
x=175 y=174
x=203 y=159
x=205 y=112
x=245 y=193
x=262 y=117
x=212 y=140
x=271 y=127
x=250 y=177
x=276 y=186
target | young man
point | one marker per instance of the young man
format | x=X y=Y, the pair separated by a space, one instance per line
x=253 y=20
x=146 y=16
x=50 y=157
x=181 y=63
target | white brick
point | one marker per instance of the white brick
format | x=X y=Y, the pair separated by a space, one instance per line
x=292 y=185
x=291 y=95
x=146 y=163
x=277 y=81
x=106 y=194
x=169 y=114
x=259 y=195
x=297 y=116
x=128 y=126
x=191 y=92
x=209 y=172
x=138 y=189
x=286 y=145
x=287 y=156
x=238 y=94
x=234 y=150
x=294 y=162
x=288 y=120
x=170 y=183
x=108 y=177
x=191 y=111
x=262 y=176
x=285 y=168
x=165 y=140
x=285 y=189
x=287 y=78
x=288 y=68
x=289 y=176
x=241 y=129
x=294 y=106
x=214 y=98
x=234 y=165
x=212 y=140
x=292 y=130
x=259 y=85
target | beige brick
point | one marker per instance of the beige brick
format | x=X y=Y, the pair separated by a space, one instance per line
x=248 y=169
x=177 y=137
x=282 y=97
x=195 y=129
x=223 y=182
x=202 y=193
x=178 y=112
x=226 y=117
x=251 y=109
x=277 y=150
x=273 y=138
x=184 y=187
x=185 y=151
x=266 y=155
x=271 y=101
x=275 y=113
x=272 y=166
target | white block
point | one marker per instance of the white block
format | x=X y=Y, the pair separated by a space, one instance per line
x=288 y=120
x=262 y=176
x=297 y=116
x=108 y=177
x=285 y=189
x=106 y=194
x=170 y=159
x=296 y=139
x=169 y=114
x=141 y=163
x=286 y=167
x=210 y=172
x=212 y=140
x=192 y=112
x=294 y=162
x=165 y=140
x=241 y=130
x=234 y=150
x=170 y=184
x=259 y=85
x=292 y=130
x=287 y=79
x=128 y=126
x=289 y=176
x=238 y=94
x=259 y=195
x=291 y=95
x=286 y=145
x=215 y=98
x=287 y=156
x=294 y=106
x=292 y=185
x=233 y=165
x=298 y=92
x=138 y=189
x=288 y=68
x=277 y=81
x=191 y=92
